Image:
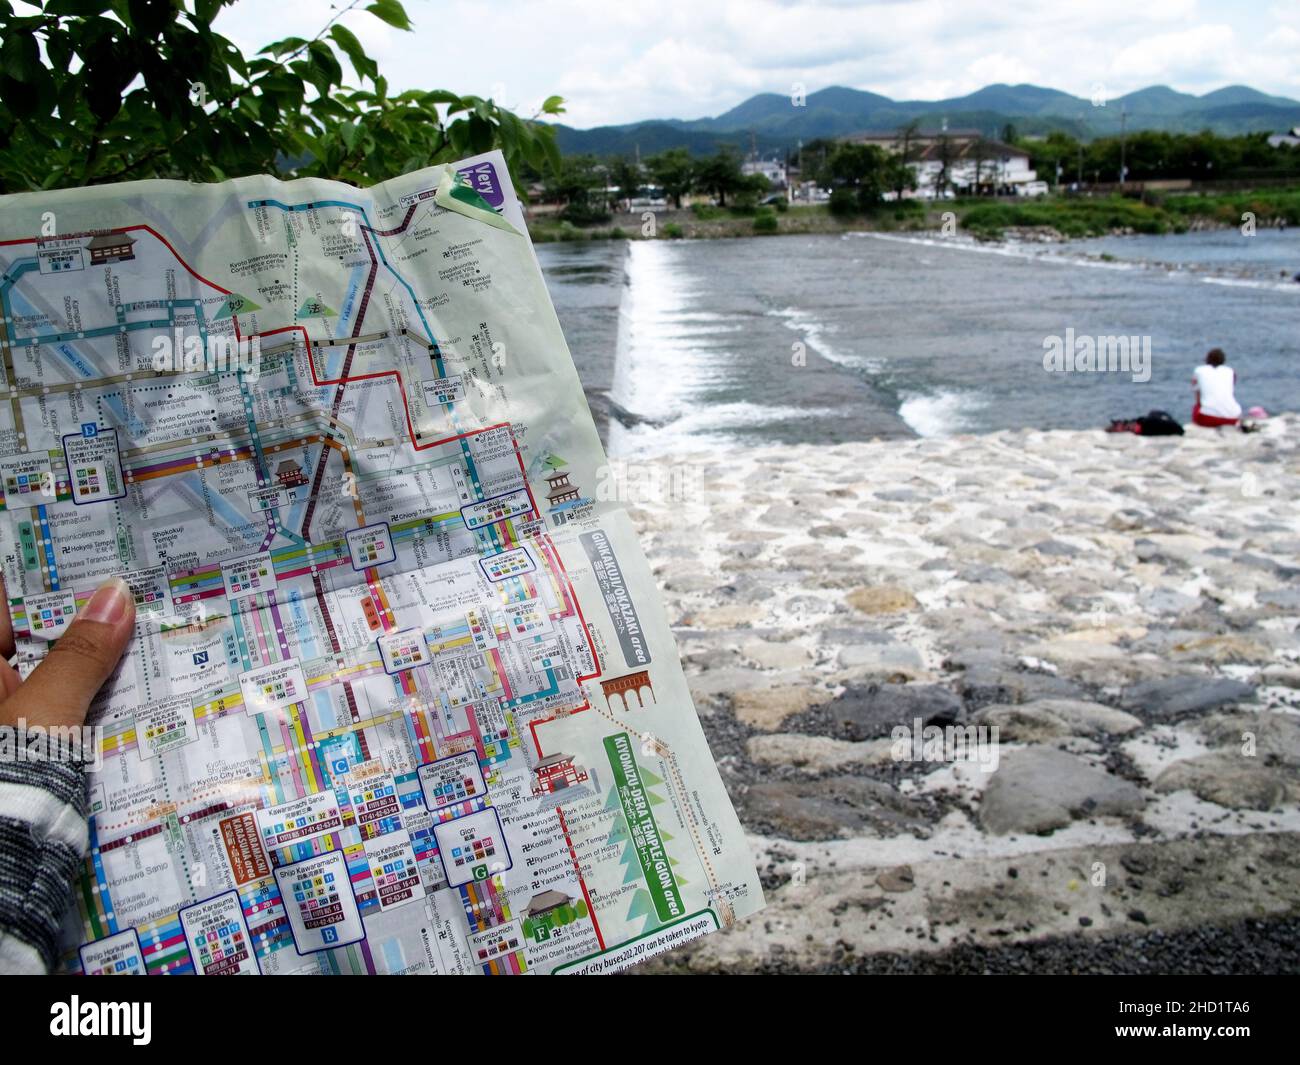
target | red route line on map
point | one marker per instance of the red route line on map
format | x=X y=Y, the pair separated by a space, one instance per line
x=401 y=391
x=573 y=854
x=410 y=429
x=343 y=377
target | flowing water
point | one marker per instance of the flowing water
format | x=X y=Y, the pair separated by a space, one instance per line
x=686 y=344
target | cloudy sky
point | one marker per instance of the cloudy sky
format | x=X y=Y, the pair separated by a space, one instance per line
x=615 y=62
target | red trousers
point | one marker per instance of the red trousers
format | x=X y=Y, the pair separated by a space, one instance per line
x=1210 y=421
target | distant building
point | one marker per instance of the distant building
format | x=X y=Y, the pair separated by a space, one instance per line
x=111 y=248
x=1291 y=138
x=973 y=162
x=774 y=170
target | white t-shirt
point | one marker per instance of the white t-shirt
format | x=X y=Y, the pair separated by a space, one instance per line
x=1214 y=385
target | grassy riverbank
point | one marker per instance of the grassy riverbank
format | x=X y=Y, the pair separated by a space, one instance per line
x=1154 y=213
x=1056 y=217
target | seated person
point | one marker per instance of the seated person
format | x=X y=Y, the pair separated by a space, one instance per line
x=1215 y=403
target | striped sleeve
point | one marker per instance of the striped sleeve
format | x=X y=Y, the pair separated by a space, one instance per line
x=43 y=839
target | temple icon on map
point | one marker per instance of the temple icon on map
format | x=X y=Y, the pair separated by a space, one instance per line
x=555 y=773
x=547 y=902
x=290 y=474
x=111 y=248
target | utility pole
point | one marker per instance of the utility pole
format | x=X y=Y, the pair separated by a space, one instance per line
x=1123 y=123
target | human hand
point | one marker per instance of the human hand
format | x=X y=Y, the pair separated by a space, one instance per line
x=60 y=689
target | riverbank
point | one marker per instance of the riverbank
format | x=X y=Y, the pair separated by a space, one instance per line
x=1122 y=610
x=1055 y=218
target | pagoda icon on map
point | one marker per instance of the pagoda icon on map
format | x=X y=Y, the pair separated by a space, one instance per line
x=561 y=494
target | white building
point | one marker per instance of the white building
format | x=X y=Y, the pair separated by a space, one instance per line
x=963 y=159
x=772 y=169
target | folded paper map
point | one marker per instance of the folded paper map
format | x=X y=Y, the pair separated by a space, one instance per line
x=402 y=696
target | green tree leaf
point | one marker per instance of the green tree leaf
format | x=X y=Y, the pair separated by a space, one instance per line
x=392 y=12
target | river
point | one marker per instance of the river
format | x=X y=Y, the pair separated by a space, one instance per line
x=683 y=345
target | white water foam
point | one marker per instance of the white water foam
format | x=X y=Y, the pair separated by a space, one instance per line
x=1241 y=282
x=1036 y=252
x=942 y=413
x=814 y=333
x=1048 y=254
x=705 y=429
x=657 y=368
x=667 y=356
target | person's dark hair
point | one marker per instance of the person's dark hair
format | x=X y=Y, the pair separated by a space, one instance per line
x=1216 y=357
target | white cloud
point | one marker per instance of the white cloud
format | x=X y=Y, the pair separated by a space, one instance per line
x=689 y=58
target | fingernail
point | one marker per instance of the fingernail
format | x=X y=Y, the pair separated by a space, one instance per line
x=109 y=602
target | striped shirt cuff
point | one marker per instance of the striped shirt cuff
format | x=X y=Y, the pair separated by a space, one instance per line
x=43 y=840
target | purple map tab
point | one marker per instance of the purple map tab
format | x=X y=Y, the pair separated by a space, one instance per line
x=483 y=179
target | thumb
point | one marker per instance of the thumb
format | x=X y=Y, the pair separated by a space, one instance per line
x=60 y=689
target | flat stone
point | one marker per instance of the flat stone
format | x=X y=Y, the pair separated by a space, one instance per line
x=846 y=636
x=982 y=685
x=1072 y=653
x=1090 y=719
x=897 y=880
x=1169 y=697
x=985 y=575
x=1285 y=676
x=1166 y=601
x=1230 y=780
x=873 y=711
x=1287 y=598
x=882 y=599
x=688 y=585
x=783 y=516
x=1128 y=520
x=767 y=708
x=1273 y=736
x=1216 y=650
x=771 y=654
x=1055 y=547
x=886 y=658
x=1023 y=724
x=1276 y=569
x=1048 y=719
x=1040 y=789
x=747 y=587
x=722 y=617
x=830 y=808
x=816 y=754
x=715 y=689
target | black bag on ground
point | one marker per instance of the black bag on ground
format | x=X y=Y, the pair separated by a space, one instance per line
x=1159 y=423
x=1153 y=423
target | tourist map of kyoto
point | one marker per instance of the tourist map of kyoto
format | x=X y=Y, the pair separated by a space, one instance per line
x=402 y=697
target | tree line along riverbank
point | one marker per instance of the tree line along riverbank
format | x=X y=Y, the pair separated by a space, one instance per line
x=1055 y=217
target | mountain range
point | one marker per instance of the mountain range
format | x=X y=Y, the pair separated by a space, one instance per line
x=772 y=122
